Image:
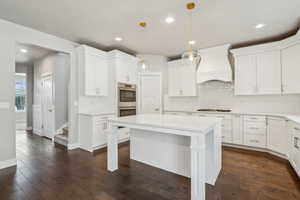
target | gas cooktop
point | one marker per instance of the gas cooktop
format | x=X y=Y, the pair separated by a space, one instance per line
x=214 y=110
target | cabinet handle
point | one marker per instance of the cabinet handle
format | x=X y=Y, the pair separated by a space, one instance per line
x=253 y=128
x=296 y=142
x=297 y=129
x=254 y=141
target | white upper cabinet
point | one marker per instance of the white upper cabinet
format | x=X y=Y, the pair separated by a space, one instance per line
x=269 y=73
x=258 y=74
x=271 y=68
x=182 y=78
x=125 y=65
x=291 y=69
x=93 y=64
x=245 y=75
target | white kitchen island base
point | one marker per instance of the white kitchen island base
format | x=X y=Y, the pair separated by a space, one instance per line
x=186 y=145
x=171 y=153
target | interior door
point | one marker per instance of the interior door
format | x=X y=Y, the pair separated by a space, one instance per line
x=150 y=93
x=47 y=107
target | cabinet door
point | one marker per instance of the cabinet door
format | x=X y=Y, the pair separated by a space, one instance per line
x=101 y=76
x=100 y=138
x=133 y=71
x=269 y=73
x=121 y=71
x=188 y=79
x=277 y=135
x=245 y=75
x=90 y=78
x=96 y=73
x=295 y=150
x=237 y=130
x=174 y=70
x=290 y=58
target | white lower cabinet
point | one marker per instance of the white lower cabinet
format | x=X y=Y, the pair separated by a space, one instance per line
x=93 y=132
x=237 y=129
x=294 y=147
x=277 y=135
x=255 y=134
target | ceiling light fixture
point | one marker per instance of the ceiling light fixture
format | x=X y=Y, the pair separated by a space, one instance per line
x=192 y=42
x=118 y=39
x=191 y=54
x=169 y=20
x=258 y=26
x=24 y=50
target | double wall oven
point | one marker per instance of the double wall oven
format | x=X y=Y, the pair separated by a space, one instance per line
x=127 y=99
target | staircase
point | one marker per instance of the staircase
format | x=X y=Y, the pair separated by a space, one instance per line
x=62 y=138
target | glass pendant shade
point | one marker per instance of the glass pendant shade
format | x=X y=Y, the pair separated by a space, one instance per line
x=142 y=65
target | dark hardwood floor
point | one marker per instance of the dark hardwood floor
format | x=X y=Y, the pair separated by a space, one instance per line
x=45 y=172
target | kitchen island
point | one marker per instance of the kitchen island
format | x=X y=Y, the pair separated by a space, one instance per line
x=185 y=145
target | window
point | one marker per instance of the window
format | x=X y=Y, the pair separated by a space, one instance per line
x=20 y=101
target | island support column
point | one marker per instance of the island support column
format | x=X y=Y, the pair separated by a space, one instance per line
x=198 y=167
x=112 y=149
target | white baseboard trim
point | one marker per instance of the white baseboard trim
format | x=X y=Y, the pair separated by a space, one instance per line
x=256 y=149
x=8 y=163
x=73 y=146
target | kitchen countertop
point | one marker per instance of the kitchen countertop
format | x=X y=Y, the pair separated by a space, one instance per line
x=181 y=123
x=95 y=113
x=289 y=116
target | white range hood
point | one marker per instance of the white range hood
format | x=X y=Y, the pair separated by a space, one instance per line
x=214 y=65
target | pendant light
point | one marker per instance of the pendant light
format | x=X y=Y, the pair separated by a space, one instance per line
x=142 y=64
x=191 y=54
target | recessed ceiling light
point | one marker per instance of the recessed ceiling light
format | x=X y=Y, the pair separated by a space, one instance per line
x=258 y=26
x=169 y=20
x=192 y=42
x=118 y=39
x=23 y=50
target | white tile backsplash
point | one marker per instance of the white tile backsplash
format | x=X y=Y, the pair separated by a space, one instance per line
x=220 y=95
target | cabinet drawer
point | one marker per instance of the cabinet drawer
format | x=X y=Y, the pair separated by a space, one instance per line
x=255 y=128
x=255 y=118
x=226 y=139
x=255 y=140
x=227 y=124
x=224 y=117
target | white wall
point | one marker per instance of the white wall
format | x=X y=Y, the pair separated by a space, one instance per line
x=220 y=95
x=10 y=34
x=58 y=65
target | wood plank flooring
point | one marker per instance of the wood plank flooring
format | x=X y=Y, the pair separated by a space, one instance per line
x=45 y=173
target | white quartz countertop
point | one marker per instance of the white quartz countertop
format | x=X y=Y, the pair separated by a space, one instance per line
x=182 y=123
x=92 y=113
x=288 y=116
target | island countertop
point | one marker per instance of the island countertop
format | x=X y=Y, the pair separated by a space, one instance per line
x=182 y=123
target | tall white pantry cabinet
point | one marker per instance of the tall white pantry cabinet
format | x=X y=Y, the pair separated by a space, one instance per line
x=99 y=75
x=271 y=68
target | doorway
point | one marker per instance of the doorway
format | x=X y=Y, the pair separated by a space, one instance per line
x=47 y=75
x=20 y=102
x=150 y=93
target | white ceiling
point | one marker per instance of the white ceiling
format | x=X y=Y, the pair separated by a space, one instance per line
x=33 y=53
x=97 y=22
